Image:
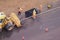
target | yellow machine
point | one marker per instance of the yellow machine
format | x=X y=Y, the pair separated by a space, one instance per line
x=9 y=22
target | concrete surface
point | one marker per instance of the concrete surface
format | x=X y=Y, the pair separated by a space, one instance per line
x=35 y=29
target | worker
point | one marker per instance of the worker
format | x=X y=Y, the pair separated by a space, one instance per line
x=49 y=6
x=46 y=29
x=23 y=38
x=40 y=7
x=19 y=12
x=34 y=14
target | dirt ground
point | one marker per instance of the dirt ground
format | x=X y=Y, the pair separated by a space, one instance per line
x=9 y=6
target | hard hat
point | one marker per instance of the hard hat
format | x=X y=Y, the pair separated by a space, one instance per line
x=34 y=11
x=20 y=9
x=49 y=5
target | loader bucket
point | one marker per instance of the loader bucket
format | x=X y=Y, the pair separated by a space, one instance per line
x=15 y=19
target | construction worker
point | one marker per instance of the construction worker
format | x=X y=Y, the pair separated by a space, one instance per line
x=46 y=29
x=40 y=7
x=49 y=6
x=19 y=12
x=23 y=38
x=34 y=14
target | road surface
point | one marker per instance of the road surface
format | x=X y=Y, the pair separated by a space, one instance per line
x=35 y=29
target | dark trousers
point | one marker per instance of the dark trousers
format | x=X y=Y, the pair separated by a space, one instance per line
x=19 y=13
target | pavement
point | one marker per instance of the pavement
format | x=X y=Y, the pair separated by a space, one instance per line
x=35 y=29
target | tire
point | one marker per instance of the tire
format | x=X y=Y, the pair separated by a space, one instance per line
x=9 y=26
x=0 y=30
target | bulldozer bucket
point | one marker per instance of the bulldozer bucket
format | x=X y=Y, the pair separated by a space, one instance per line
x=15 y=19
